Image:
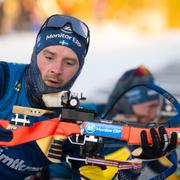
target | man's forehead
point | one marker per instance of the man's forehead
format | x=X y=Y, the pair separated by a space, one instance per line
x=46 y=50
x=54 y=50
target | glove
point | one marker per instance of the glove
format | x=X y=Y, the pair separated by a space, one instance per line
x=161 y=144
x=5 y=135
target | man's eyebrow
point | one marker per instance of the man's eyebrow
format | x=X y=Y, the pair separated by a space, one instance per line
x=49 y=52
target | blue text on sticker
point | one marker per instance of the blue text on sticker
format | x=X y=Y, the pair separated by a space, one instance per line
x=104 y=130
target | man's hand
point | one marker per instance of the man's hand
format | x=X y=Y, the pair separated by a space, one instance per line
x=5 y=135
x=161 y=144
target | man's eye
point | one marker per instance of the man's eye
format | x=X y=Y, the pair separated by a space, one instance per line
x=70 y=63
x=48 y=57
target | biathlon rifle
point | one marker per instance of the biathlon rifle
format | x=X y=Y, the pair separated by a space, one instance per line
x=85 y=123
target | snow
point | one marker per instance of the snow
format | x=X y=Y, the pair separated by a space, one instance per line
x=112 y=51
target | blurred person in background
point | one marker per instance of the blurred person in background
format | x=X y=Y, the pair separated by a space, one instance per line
x=10 y=11
x=1 y=15
x=57 y=60
x=144 y=104
x=21 y=15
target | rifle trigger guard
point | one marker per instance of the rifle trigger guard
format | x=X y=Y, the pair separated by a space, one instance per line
x=82 y=142
x=77 y=142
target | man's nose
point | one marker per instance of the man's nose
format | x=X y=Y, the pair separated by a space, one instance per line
x=57 y=67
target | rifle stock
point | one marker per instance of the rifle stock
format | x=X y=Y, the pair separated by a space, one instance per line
x=53 y=127
x=24 y=134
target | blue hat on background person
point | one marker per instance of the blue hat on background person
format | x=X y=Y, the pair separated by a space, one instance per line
x=57 y=30
x=136 y=95
x=140 y=95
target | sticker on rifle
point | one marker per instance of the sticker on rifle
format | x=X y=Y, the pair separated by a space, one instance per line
x=104 y=130
x=11 y=127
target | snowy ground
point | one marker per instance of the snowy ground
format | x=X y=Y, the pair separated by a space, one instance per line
x=112 y=51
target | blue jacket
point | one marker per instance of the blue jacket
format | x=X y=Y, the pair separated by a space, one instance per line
x=19 y=161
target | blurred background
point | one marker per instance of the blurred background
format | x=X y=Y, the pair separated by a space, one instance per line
x=124 y=35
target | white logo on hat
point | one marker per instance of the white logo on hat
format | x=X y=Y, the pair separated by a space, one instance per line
x=67 y=29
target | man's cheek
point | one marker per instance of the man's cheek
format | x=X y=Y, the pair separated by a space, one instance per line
x=43 y=76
